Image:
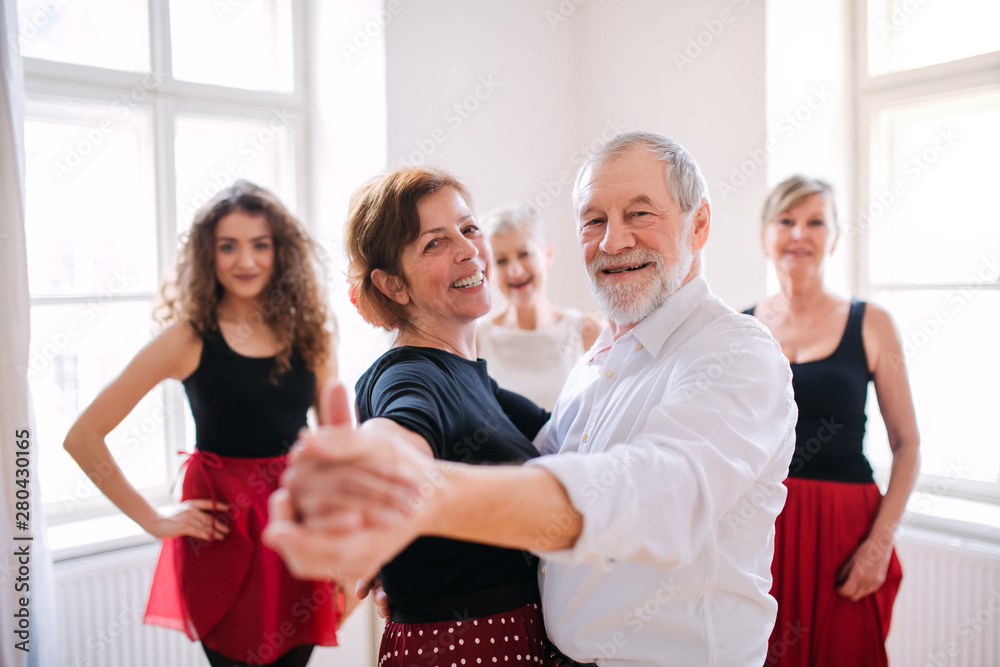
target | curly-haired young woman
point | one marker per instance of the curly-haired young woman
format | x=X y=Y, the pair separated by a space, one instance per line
x=246 y=333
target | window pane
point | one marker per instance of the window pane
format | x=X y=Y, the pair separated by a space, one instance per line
x=905 y=34
x=109 y=33
x=950 y=345
x=932 y=214
x=76 y=350
x=212 y=152
x=90 y=210
x=242 y=45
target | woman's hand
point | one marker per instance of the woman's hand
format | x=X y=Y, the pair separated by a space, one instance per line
x=193 y=518
x=865 y=571
x=374 y=586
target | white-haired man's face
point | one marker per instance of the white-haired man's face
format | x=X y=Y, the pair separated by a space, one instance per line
x=635 y=243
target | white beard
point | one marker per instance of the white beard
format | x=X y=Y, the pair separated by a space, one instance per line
x=632 y=302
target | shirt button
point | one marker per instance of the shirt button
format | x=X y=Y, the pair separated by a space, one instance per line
x=584 y=437
x=638 y=346
x=543 y=569
x=609 y=373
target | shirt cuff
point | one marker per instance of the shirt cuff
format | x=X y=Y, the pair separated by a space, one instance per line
x=589 y=481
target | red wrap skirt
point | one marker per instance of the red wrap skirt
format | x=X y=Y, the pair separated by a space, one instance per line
x=817 y=531
x=235 y=595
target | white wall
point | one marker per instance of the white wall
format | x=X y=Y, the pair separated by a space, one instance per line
x=810 y=102
x=567 y=74
x=508 y=140
x=347 y=145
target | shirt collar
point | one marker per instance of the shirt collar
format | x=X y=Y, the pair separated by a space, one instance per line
x=654 y=331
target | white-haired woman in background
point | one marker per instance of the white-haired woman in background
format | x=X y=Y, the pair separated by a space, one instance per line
x=532 y=344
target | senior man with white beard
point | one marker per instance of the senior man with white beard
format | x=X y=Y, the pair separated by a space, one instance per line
x=654 y=502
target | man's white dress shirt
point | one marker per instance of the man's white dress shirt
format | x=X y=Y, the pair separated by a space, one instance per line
x=673 y=442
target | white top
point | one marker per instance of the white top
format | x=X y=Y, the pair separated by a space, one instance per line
x=673 y=443
x=536 y=362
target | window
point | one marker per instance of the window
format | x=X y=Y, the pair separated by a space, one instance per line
x=138 y=112
x=928 y=241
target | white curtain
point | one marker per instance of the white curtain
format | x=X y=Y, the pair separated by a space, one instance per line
x=15 y=405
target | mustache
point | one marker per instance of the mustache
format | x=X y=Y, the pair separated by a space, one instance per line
x=634 y=257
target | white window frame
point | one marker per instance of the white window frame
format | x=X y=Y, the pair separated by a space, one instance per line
x=165 y=98
x=872 y=95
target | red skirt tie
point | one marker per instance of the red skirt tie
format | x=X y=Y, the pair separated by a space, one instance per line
x=235 y=595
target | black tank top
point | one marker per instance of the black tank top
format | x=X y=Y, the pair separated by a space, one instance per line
x=238 y=411
x=831 y=394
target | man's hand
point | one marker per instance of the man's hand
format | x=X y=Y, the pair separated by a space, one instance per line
x=350 y=498
x=312 y=553
x=341 y=478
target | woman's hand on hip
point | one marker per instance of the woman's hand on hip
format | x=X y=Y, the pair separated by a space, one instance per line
x=194 y=518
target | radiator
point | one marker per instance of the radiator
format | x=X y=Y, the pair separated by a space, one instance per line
x=947 y=613
x=101 y=603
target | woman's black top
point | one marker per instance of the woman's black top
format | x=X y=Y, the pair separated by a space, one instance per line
x=831 y=394
x=453 y=404
x=238 y=410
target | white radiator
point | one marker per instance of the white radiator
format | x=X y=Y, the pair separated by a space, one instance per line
x=101 y=603
x=947 y=613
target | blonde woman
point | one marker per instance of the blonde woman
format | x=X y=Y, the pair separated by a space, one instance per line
x=835 y=572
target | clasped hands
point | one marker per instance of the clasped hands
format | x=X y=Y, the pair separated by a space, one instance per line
x=350 y=499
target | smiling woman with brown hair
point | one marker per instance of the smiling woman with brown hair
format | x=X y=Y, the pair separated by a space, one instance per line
x=420 y=267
